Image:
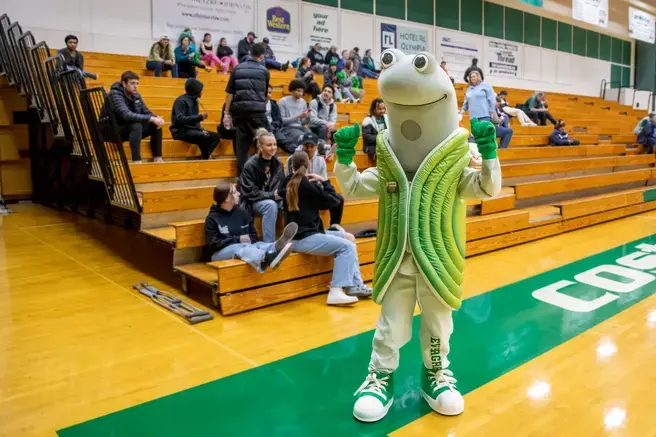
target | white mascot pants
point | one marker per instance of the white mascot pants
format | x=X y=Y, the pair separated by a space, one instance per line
x=394 y=326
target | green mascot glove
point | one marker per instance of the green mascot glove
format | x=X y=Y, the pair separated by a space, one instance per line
x=346 y=139
x=485 y=136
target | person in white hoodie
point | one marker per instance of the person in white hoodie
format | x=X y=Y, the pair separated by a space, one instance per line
x=323 y=114
x=373 y=123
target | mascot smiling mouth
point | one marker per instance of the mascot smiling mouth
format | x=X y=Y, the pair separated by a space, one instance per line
x=425 y=104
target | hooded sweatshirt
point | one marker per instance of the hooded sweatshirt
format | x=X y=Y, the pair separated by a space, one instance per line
x=185 y=116
x=370 y=129
x=223 y=228
x=315 y=57
x=317 y=163
x=322 y=112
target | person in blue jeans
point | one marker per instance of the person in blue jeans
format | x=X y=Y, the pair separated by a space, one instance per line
x=230 y=234
x=481 y=103
x=304 y=196
x=260 y=182
x=161 y=58
x=647 y=135
x=270 y=59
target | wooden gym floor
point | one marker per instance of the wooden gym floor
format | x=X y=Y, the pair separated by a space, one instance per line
x=77 y=343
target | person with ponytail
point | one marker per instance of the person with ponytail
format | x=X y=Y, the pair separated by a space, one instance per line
x=304 y=195
x=260 y=181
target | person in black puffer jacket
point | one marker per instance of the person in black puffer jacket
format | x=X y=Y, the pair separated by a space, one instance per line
x=260 y=181
x=185 y=120
x=135 y=121
x=246 y=102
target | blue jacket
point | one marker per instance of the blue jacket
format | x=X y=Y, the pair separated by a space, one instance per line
x=559 y=138
x=179 y=56
x=480 y=100
x=649 y=131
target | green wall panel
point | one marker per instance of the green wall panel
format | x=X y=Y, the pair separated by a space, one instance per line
x=418 y=11
x=578 y=46
x=592 y=44
x=615 y=75
x=514 y=25
x=493 y=20
x=472 y=20
x=447 y=14
x=564 y=36
x=532 y=29
x=604 y=47
x=626 y=76
x=616 y=50
x=332 y=3
x=366 y=6
x=391 y=8
x=626 y=53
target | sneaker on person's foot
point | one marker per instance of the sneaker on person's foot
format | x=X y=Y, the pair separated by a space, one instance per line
x=336 y=227
x=438 y=387
x=336 y=296
x=282 y=247
x=374 y=397
x=285 y=66
x=359 y=291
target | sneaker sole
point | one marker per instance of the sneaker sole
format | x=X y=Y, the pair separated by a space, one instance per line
x=429 y=400
x=287 y=236
x=284 y=253
x=374 y=419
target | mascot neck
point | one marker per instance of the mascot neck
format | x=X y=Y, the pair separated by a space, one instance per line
x=416 y=131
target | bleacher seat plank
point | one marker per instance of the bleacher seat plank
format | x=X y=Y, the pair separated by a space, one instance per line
x=594 y=204
x=200 y=272
x=504 y=202
x=165 y=234
x=236 y=275
x=520 y=153
x=183 y=170
x=563 y=166
x=259 y=297
x=604 y=216
x=496 y=242
x=625 y=139
x=494 y=224
x=543 y=188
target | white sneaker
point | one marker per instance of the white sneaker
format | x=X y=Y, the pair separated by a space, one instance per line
x=374 y=397
x=438 y=388
x=336 y=296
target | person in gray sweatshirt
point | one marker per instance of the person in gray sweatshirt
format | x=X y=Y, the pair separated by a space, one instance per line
x=295 y=115
x=323 y=115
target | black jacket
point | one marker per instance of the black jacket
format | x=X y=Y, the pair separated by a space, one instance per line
x=248 y=85
x=252 y=180
x=315 y=57
x=70 y=61
x=184 y=115
x=370 y=133
x=276 y=116
x=330 y=55
x=222 y=51
x=329 y=79
x=128 y=109
x=223 y=228
x=243 y=48
x=312 y=198
x=473 y=68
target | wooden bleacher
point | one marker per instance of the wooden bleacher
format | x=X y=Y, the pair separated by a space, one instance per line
x=547 y=190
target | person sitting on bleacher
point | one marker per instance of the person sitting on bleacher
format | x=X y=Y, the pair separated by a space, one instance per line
x=368 y=63
x=185 y=120
x=295 y=115
x=373 y=123
x=332 y=54
x=305 y=74
x=349 y=84
x=559 y=136
x=72 y=59
x=330 y=78
x=260 y=181
x=135 y=121
x=225 y=54
x=647 y=135
x=161 y=58
x=186 y=57
x=270 y=58
x=323 y=115
x=304 y=195
x=316 y=58
x=244 y=47
x=537 y=109
x=230 y=233
x=275 y=120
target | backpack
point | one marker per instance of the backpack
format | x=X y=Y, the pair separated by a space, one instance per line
x=320 y=106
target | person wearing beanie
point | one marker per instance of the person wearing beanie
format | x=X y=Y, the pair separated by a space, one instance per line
x=161 y=58
x=185 y=120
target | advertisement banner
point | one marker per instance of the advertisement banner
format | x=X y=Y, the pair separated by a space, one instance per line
x=458 y=50
x=319 y=26
x=503 y=58
x=230 y=19
x=279 y=23
x=594 y=12
x=407 y=39
x=642 y=25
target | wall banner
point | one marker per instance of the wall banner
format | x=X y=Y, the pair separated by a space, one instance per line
x=458 y=50
x=319 y=26
x=407 y=39
x=593 y=12
x=279 y=23
x=503 y=58
x=642 y=25
x=231 y=19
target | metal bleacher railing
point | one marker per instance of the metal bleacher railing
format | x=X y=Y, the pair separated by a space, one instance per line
x=83 y=118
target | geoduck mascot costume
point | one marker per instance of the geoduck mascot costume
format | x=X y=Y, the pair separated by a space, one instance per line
x=422 y=180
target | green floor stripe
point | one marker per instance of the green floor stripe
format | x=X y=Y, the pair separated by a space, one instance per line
x=310 y=394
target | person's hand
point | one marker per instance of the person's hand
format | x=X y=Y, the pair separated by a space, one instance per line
x=227 y=121
x=245 y=239
x=169 y=62
x=276 y=196
x=157 y=121
x=308 y=74
x=485 y=135
x=346 y=139
x=191 y=56
x=204 y=114
x=313 y=177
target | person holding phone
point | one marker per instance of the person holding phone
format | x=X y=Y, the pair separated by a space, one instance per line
x=295 y=116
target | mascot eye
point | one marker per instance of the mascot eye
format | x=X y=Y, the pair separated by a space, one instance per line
x=420 y=62
x=387 y=59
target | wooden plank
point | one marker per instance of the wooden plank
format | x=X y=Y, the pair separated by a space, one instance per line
x=165 y=234
x=563 y=166
x=494 y=224
x=179 y=199
x=497 y=204
x=484 y=245
x=625 y=139
x=236 y=275
x=259 y=297
x=200 y=272
x=591 y=205
x=183 y=170
x=528 y=140
x=517 y=153
x=593 y=219
x=543 y=188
